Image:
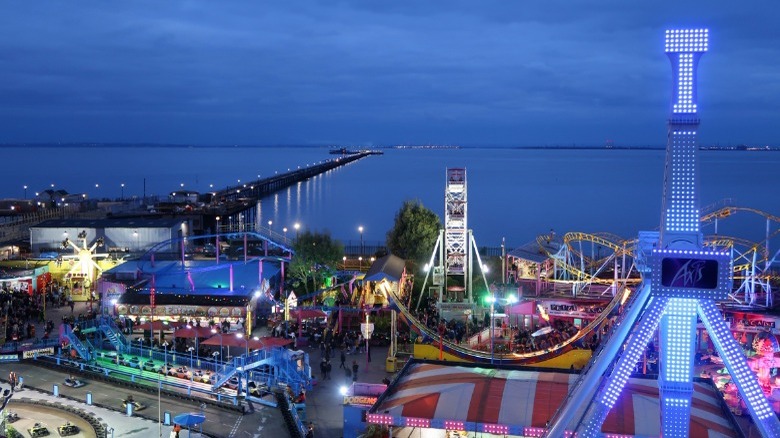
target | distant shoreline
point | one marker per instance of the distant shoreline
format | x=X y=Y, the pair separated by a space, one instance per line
x=739 y=148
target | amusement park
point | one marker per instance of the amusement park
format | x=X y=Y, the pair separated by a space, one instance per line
x=210 y=322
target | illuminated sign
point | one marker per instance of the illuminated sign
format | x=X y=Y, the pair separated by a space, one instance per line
x=29 y=354
x=689 y=273
x=359 y=400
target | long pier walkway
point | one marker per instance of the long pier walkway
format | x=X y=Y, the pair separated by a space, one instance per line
x=259 y=188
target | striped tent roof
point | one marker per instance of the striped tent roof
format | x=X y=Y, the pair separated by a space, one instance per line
x=528 y=399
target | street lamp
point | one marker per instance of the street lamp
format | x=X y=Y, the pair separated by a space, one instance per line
x=25 y=192
x=215 y=332
x=360 y=263
x=269 y=225
x=297 y=228
x=511 y=299
x=246 y=342
x=360 y=229
x=123 y=191
x=492 y=300
x=284 y=230
x=217 y=251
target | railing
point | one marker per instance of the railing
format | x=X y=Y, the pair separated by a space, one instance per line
x=149 y=378
x=114 y=335
x=16 y=346
x=75 y=342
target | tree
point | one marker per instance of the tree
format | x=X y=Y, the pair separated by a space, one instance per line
x=316 y=255
x=414 y=233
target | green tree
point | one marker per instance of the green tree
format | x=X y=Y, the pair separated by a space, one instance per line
x=414 y=233
x=316 y=256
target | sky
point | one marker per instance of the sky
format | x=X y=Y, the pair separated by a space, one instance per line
x=357 y=72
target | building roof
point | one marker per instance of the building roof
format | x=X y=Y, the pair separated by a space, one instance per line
x=388 y=268
x=130 y=222
x=524 y=401
x=200 y=282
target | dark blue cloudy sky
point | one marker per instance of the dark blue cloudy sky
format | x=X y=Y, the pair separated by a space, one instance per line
x=379 y=72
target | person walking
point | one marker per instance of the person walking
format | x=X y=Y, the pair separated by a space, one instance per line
x=354 y=370
x=343 y=359
x=327 y=369
x=323 y=369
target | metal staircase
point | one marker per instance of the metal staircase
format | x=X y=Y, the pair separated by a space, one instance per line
x=67 y=336
x=109 y=328
x=291 y=368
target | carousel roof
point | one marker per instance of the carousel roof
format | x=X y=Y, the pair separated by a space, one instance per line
x=521 y=402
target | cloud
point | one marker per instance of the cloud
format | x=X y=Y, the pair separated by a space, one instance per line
x=368 y=71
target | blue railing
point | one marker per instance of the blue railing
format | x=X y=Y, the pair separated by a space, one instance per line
x=16 y=346
x=114 y=335
x=75 y=342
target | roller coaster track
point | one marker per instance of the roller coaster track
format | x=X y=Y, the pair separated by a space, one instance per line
x=725 y=212
x=615 y=243
x=503 y=358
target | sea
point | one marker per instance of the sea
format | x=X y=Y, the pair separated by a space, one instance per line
x=514 y=194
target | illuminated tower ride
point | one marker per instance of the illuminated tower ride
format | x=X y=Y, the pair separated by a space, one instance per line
x=681 y=280
x=452 y=260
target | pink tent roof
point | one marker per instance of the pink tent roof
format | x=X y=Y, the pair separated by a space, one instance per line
x=193 y=332
x=528 y=399
x=226 y=340
x=159 y=325
x=307 y=313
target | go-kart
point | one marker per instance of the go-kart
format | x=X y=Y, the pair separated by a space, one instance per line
x=201 y=376
x=38 y=429
x=137 y=406
x=73 y=382
x=68 y=429
x=149 y=365
x=11 y=416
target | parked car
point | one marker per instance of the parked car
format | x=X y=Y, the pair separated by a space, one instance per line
x=73 y=382
x=180 y=372
x=201 y=376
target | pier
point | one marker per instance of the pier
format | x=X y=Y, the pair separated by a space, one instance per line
x=254 y=190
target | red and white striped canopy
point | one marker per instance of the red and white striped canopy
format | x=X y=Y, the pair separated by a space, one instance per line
x=530 y=398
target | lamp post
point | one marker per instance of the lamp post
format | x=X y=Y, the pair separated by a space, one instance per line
x=492 y=300
x=284 y=230
x=123 y=191
x=246 y=342
x=511 y=299
x=269 y=225
x=159 y=388
x=360 y=229
x=297 y=227
x=135 y=234
x=217 y=250
x=25 y=192
x=360 y=263
x=215 y=331
x=192 y=373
